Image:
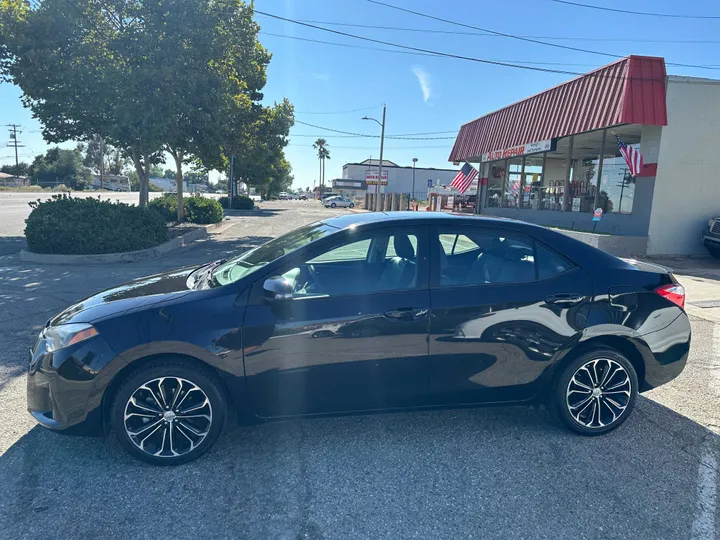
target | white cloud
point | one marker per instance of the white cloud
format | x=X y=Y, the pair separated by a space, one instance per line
x=324 y=77
x=423 y=78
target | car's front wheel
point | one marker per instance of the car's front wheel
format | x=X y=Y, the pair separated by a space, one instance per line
x=169 y=412
x=332 y=205
x=352 y=205
x=596 y=392
x=714 y=251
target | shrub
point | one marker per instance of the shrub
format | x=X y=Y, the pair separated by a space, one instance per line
x=240 y=202
x=198 y=209
x=166 y=206
x=202 y=210
x=73 y=226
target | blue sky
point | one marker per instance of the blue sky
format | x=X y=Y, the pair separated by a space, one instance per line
x=427 y=93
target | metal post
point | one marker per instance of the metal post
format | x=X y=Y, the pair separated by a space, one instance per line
x=567 y=175
x=413 y=190
x=596 y=202
x=232 y=180
x=102 y=162
x=382 y=142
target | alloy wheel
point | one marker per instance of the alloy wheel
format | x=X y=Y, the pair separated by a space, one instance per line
x=168 y=417
x=598 y=393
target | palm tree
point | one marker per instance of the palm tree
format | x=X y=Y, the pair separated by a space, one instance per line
x=323 y=153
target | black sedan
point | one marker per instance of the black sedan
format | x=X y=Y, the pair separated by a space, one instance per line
x=364 y=312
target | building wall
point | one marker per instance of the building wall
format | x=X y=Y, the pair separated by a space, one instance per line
x=400 y=179
x=687 y=186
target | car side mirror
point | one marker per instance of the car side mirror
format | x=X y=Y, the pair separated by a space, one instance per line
x=278 y=288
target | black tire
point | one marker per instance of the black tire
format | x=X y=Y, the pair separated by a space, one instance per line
x=352 y=205
x=581 y=416
x=332 y=205
x=199 y=385
x=714 y=251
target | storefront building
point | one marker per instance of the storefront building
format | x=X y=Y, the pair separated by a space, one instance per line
x=553 y=158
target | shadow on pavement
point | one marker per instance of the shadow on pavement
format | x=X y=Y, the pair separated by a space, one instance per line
x=258 y=212
x=483 y=473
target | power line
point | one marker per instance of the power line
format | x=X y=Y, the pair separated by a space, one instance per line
x=468 y=58
x=407 y=136
x=487 y=34
x=512 y=36
x=325 y=112
x=371 y=147
x=628 y=12
x=14 y=143
x=351 y=46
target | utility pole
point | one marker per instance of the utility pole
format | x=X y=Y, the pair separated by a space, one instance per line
x=102 y=162
x=415 y=160
x=382 y=142
x=14 y=141
x=231 y=181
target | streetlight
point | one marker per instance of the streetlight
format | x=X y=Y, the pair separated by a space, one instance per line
x=382 y=141
x=415 y=160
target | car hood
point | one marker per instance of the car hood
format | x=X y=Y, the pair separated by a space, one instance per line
x=139 y=293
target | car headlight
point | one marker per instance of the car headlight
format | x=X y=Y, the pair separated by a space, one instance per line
x=64 y=335
x=711 y=221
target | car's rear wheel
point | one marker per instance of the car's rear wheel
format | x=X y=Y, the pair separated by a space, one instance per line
x=332 y=205
x=596 y=392
x=352 y=205
x=169 y=412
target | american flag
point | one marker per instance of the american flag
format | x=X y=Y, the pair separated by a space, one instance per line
x=632 y=157
x=464 y=178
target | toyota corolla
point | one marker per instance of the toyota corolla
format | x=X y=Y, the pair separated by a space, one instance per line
x=358 y=313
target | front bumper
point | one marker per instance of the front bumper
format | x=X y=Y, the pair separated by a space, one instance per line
x=709 y=239
x=65 y=387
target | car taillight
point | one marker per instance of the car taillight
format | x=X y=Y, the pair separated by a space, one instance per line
x=673 y=292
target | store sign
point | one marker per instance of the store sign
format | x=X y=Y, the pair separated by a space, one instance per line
x=597 y=214
x=340 y=183
x=371 y=178
x=523 y=150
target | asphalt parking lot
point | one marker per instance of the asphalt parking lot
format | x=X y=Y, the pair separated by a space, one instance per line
x=477 y=473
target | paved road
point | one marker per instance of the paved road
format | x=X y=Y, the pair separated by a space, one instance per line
x=484 y=473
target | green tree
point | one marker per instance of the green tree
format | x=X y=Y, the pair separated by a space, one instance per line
x=58 y=166
x=99 y=156
x=21 y=169
x=169 y=173
x=321 y=145
x=156 y=171
x=182 y=76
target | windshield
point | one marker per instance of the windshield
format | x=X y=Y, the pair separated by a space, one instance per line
x=247 y=263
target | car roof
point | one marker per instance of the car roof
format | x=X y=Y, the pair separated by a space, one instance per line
x=580 y=252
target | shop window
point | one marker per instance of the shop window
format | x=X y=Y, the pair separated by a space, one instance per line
x=496 y=184
x=512 y=193
x=533 y=181
x=617 y=187
x=550 y=192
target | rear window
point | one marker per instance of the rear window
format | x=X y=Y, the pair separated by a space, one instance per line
x=549 y=264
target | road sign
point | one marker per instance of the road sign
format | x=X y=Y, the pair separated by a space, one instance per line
x=597 y=214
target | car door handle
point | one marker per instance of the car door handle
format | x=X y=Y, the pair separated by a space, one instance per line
x=564 y=299
x=406 y=313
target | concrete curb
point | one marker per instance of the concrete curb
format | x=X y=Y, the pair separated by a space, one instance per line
x=126 y=257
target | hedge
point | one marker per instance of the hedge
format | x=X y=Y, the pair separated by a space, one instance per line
x=240 y=202
x=198 y=209
x=74 y=226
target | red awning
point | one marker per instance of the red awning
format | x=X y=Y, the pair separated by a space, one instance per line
x=629 y=91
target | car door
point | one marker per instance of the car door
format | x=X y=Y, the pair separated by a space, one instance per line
x=354 y=334
x=503 y=305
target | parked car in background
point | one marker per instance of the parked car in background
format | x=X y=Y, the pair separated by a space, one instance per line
x=284 y=196
x=359 y=313
x=339 y=202
x=711 y=237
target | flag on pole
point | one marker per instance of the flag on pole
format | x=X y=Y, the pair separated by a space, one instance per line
x=464 y=178
x=633 y=158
